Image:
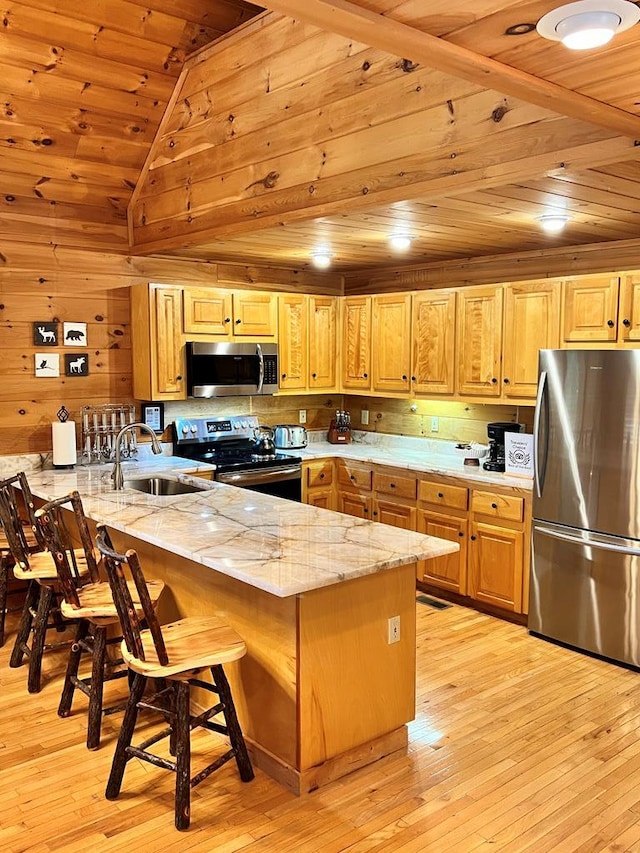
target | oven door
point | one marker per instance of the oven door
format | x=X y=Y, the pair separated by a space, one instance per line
x=282 y=482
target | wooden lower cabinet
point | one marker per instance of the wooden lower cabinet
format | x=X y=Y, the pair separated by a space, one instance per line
x=495 y=566
x=491 y=525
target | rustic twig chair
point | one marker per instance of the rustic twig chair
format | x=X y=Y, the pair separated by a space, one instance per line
x=34 y=564
x=27 y=520
x=180 y=653
x=88 y=600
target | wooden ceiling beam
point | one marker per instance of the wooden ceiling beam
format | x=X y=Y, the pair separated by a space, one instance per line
x=352 y=21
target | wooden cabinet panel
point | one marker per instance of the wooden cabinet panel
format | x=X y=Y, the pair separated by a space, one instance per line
x=495 y=566
x=322 y=342
x=508 y=507
x=590 y=309
x=448 y=572
x=392 y=484
x=629 y=316
x=319 y=473
x=292 y=341
x=395 y=514
x=479 y=341
x=156 y=340
x=254 y=314
x=433 y=333
x=443 y=494
x=531 y=323
x=391 y=342
x=353 y=503
x=323 y=498
x=208 y=311
x=356 y=342
x=350 y=474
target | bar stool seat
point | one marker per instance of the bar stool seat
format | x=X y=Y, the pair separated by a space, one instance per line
x=180 y=654
x=87 y=599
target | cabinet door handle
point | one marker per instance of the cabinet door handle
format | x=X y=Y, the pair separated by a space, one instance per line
x=392 y=485
x=352 y=476
x=366 y=511
x=404 y=378
x=375 y=512
x=413 y=379
x=440 y=495
x=322 y=476
x=365 y=375
x=284 y=375
x=494 y=506
x=610 y=324
x=506 y=381
x=227 y=319
x=178 y=378
x=493 y=380
x=626 y=322
x=238 y=322
x=460 y=533
x=473 y=538
x=314 y=375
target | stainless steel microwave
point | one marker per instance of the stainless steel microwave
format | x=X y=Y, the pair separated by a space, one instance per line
x=231 y=369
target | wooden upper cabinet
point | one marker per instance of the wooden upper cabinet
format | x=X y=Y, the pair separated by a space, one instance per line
x=629 y=316
x=208 y=311
x=391 y=341
x=230 y=314
x=433 y=334
x=479 y=340
x=156 y=341
x=590 y=309
x=356 y=342
x=531 y=323
x=322 y=342
x=292 y=337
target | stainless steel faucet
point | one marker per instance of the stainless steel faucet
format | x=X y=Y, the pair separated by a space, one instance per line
x=116 y=474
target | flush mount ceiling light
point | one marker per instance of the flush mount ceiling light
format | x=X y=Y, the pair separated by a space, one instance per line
x=321 y=258
x=400 y=241
x=553 y=222
x=588 y=23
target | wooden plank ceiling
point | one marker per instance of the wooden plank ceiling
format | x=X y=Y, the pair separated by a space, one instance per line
x=320 y=130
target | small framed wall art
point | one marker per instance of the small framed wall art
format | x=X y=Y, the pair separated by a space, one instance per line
x=76 y=364
x=45 y=334
x=47 y=364
x=74 y=334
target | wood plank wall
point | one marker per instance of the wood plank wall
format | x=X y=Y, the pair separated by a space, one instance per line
x=45 y=283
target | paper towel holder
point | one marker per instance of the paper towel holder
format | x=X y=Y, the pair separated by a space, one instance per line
x=64 y=440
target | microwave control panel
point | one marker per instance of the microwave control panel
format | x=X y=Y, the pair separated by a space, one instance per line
x=270 y=369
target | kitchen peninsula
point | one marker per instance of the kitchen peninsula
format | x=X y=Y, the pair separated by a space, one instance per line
x=322 y=690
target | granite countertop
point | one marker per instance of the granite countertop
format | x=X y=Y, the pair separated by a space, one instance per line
x=276 y=545
x=419 y=455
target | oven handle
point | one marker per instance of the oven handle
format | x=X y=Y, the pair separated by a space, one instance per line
x=260 y=368
x=262 y=475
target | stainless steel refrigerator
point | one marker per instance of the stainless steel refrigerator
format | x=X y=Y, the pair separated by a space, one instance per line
x=585 y=583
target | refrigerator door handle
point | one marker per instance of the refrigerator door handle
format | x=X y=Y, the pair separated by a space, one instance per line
x=591 y=543
x=542 y=384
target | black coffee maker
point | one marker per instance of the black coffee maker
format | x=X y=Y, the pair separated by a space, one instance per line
x=495 y=432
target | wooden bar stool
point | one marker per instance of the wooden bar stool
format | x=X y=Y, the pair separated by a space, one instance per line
x=180 y=652
x=41 y=610
x=27 y=519
x=87 y=599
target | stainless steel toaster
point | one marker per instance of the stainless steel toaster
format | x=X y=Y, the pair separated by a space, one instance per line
x=289 y=436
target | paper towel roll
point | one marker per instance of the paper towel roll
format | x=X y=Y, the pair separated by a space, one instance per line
x=64 y=443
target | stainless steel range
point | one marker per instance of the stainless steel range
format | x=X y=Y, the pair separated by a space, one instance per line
x=240 y=457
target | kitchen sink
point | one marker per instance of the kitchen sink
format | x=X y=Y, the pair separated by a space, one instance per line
x=162 y=486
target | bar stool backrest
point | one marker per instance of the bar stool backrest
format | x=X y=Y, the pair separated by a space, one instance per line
x=22 y=510
x=13 y=519
x=56 y=523
x=131 y=620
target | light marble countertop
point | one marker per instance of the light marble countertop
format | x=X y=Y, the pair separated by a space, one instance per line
x=276 y=545
x=412 y=455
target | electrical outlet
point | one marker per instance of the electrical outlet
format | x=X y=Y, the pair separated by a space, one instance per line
x=435 y=424
x=393 y=629
x=364 y=417
x=302 y=416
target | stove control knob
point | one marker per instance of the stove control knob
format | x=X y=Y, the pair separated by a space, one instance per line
x=244 y=424
x=185 y=430
x=194 y=428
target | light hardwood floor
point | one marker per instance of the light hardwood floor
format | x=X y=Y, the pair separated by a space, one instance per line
x=518 y=745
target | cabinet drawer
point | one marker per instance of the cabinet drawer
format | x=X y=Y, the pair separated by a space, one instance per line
x=320 y=474
x=454 y=497
x=355 y=476
x=498 y=506
x=404 y=487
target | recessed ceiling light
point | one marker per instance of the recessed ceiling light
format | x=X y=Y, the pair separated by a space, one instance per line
x=553 y=222
x=588 y=23
x=400 y=241
x=321 y=258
